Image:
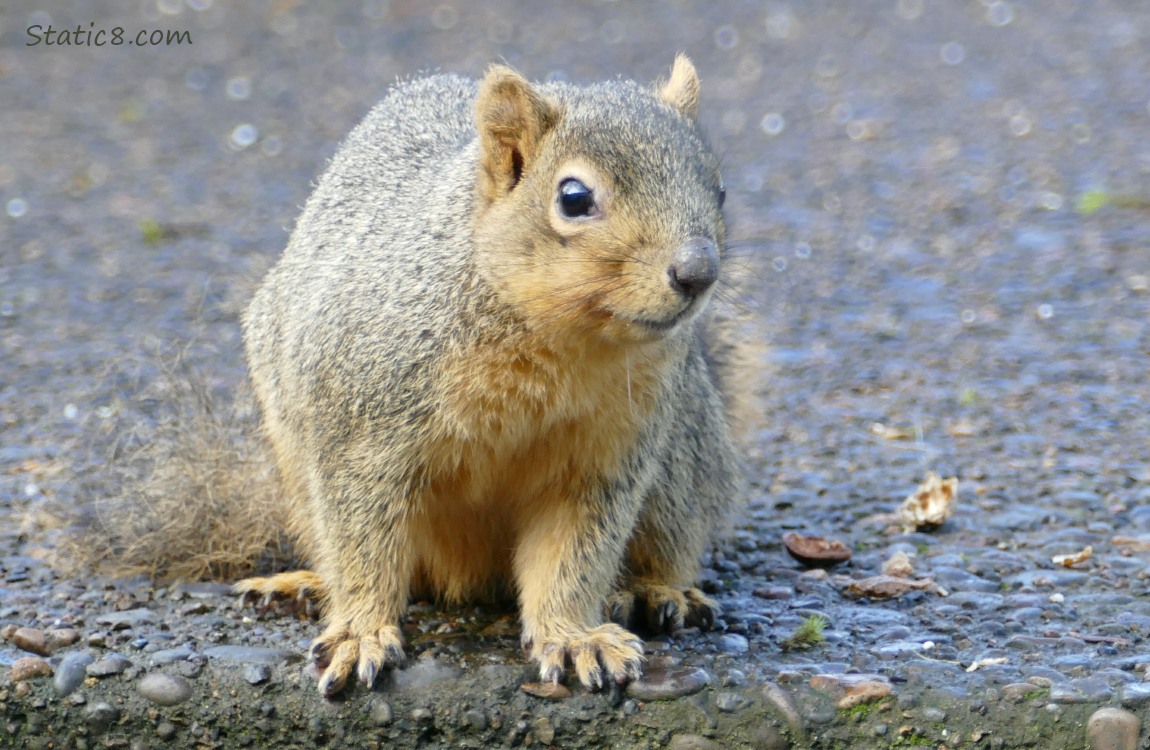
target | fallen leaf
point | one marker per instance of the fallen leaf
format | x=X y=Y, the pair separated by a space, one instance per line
x=979 y=663
x=931 y=504
x=898 y=565
x=887 y=432
x=1132 y=543
x=816 y=550
x=1068 y=561
x=889 y=587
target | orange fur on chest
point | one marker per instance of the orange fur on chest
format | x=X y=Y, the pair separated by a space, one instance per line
x=522 y=432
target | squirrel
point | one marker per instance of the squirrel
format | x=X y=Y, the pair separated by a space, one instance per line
x=485 y=358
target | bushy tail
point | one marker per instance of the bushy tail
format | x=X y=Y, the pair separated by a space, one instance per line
x=199 y=500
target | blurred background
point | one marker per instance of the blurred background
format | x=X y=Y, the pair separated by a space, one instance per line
x=941 y=206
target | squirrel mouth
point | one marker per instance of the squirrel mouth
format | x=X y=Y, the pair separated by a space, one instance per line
x=664 y=324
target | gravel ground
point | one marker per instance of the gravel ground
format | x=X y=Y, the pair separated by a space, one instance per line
x=904 y=184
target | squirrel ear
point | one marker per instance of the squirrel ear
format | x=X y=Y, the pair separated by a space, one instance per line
x=681 y=90
x=512 y=118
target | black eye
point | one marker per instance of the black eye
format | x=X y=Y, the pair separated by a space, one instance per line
x=575 y=199
x=722 y=196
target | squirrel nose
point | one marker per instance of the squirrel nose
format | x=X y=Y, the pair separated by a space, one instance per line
x=694 y=267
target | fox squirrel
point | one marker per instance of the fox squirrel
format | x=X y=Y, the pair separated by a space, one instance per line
x=483 y=357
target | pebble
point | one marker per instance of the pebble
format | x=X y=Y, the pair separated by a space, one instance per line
x=380 y=713
x=850 y=690
x=32 y=640
x=252 y=655
x=257 y=674
x=544 y=730
x=1113 y=729
x=100 y=715
x=71 y=672
x=785 y=705
x=658 y=684
x=129 y=618
x=549 y=690
x=728 y=702
x=29 y=667
x=164 y=689
x=1135 y=695
x=979 y=600
x=476 y=719
x=733 y=643
x=108 y=665
x=1083 y=690
x=692 y=742
x=170 y=655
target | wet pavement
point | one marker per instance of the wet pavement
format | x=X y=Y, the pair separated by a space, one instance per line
x=906 y=184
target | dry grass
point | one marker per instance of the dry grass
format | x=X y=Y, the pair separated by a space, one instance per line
x=199 y=499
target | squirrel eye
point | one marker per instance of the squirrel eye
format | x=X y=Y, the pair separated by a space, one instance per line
x=722 y=196
x=575 y=199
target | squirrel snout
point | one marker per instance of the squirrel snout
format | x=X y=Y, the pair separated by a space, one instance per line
x=695 y=267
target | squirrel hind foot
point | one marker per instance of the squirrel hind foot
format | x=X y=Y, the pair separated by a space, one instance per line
x=297 y=593
x=658 y=608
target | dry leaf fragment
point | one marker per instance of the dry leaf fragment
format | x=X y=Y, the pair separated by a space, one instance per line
x=888 y=587
x=979 y=663
x=886 y=432
x=931 y=504
x=898 y=565
x=1068 y=561
x=816 y=550
x=1132 y=543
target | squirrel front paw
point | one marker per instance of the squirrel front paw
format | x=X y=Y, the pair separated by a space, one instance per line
x=606 y=652
x=342 y=649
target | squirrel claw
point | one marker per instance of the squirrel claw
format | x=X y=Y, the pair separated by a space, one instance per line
x=599 y=656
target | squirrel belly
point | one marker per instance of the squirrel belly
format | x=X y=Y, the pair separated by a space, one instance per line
x=485 y=360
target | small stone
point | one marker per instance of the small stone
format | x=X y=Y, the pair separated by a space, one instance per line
x=257 y=674
x=100 y=715
x=783 y=703
x=1016 y=692
x=29 y=667
x=544 y=730
x=850 y=690
x=71 y=672
x=666 y=684
x=1093 y=689
x=692 y=742
x=58 y=638
x=129 y=618
x=172 y=655
x=1135 y=695
x=380 y=713
x=728 y=702
x=108 y=665
x=936 y=715
x=476 y=719
x=422 y=715
x=252 y=655
x=166 y=730
x=32 y=640
x=733 y=643
x=1113 y=729
x=550 y=690
x=164 y=689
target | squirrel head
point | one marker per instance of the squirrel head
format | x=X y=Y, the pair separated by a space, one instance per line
x=599 y=208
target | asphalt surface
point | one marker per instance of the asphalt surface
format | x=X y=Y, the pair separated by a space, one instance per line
x=912 y=189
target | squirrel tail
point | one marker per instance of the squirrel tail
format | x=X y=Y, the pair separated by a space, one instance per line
x=199 y=499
